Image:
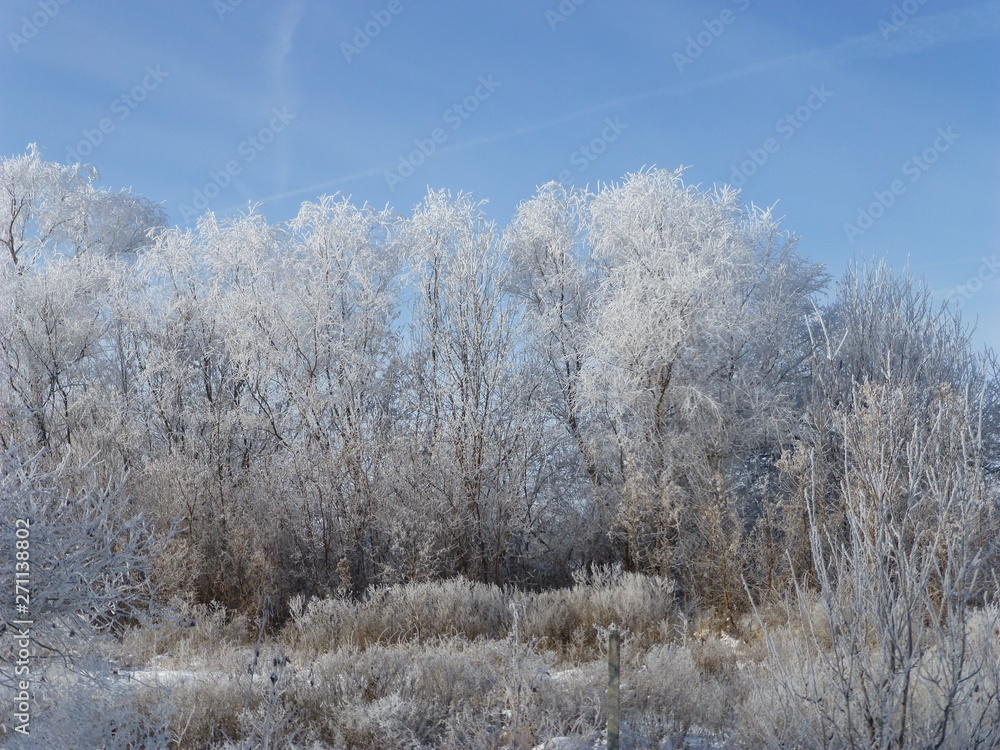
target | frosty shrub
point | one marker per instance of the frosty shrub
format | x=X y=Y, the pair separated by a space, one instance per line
x=208 y=706
x=901 y=650
x=642 y=605
x=423 y=611
x=668 y=697
x=462 y=608
x=185 y=634
x=89 y=555
x=391 y=614
x=114 y=717
x=398 y=696
x=448 y=693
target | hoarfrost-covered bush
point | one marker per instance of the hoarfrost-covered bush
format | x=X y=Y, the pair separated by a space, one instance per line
x=559 y=618
x=398 y=696
x=84 y=562
x=902 y=650
x=399 y=613
x=109 y=716
x=642 y=605
x=667 y=697
x=89 y=555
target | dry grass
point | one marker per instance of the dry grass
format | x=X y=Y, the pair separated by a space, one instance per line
x=565 y=620
x=461 y=665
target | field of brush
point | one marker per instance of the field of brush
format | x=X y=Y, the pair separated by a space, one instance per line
x=465 y=665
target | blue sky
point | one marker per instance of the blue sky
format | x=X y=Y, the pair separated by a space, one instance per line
x=872 y=125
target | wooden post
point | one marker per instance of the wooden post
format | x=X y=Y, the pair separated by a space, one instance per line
x=614 y=686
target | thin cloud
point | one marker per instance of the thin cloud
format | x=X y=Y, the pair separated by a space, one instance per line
x=281 y=46
x=918 y=34
x=281 y=80
x=318 y=188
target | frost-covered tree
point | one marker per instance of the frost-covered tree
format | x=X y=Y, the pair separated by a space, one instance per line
x=880 y=330
x=472 y=441
x=898 y=643
x=697 y=356
x=47 y=208
x=885 y=328
x=64 y=245
x=89 y=553
x=554 y=277
x=267 y=357
x=197 y=444
x=313 y=332
x=79 y=559
x=56 y=360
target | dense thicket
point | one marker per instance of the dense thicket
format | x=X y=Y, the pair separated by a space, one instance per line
x=649 y=375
